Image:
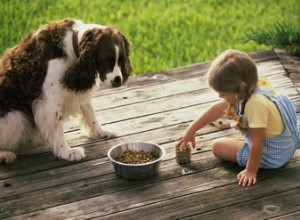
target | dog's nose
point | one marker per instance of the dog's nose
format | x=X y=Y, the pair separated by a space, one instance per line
x=117 y=81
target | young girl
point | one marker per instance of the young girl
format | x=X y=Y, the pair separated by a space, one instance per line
x=268 y=120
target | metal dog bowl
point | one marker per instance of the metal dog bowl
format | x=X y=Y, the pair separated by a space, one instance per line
x=136 y=171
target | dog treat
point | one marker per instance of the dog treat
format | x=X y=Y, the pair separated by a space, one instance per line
x=136 y=157
x=183 y=156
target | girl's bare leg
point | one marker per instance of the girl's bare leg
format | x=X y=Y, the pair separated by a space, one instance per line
x=227 y=148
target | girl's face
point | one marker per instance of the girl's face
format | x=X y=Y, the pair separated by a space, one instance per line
x=228 y=97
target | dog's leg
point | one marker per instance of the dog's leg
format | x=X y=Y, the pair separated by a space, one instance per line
x=7 y=157
x=90 y=123
x=13 y=127
x=60 y=147
x=49 y=123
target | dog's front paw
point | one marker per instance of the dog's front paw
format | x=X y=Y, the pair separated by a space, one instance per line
x=101 y=133
x=7 y=157
x=71 y=154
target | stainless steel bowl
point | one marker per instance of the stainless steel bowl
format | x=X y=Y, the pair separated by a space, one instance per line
x=136 y=171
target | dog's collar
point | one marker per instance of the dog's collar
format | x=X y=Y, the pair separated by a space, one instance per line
x=75 y=43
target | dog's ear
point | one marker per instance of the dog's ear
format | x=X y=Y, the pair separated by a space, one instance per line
x=81 y=76
x=125 y=64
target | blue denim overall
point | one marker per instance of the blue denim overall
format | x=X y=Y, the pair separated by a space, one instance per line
x=277 y=151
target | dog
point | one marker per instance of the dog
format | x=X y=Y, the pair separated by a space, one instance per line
x=49 y=76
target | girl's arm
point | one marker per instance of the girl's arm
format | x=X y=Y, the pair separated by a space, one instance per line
x=248 y=176
x=213 y=113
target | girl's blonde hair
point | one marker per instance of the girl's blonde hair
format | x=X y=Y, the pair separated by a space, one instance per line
x=233 y=71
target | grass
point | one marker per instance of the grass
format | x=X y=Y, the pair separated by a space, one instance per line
x=164 y=33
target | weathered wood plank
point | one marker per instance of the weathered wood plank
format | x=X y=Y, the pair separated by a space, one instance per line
x=195 y=70
x=155 y=107
x=148 y=124
x=129 y=94
x=78 y=171
x=294 y=215
x=168 y=103
x=200 y=190
x=88 y=178
x=276 y=205
x=291 y=65
x=164 y=94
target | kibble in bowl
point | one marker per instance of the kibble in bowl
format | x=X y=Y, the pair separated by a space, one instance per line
x=136 y=157
x=136 y=160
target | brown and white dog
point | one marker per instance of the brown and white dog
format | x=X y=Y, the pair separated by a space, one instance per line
x=49 y=76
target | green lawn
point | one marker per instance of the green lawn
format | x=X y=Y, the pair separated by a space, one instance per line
x=164 y=33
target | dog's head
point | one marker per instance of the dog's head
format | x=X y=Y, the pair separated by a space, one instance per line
x=103 y=51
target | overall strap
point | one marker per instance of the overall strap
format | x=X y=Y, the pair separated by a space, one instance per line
x=287 y=110
x=264 y=92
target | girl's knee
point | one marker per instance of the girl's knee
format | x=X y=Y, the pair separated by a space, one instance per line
x=217 y=146
x=226 y=148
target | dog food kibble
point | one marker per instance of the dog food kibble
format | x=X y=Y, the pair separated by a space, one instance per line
x=183 y=155
x=136 y=157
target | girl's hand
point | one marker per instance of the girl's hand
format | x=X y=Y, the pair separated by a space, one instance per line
x=186 y=138
x=246 y=178
x=210 y=115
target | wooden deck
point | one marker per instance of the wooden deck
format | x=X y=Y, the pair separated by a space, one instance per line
x=155 y=107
